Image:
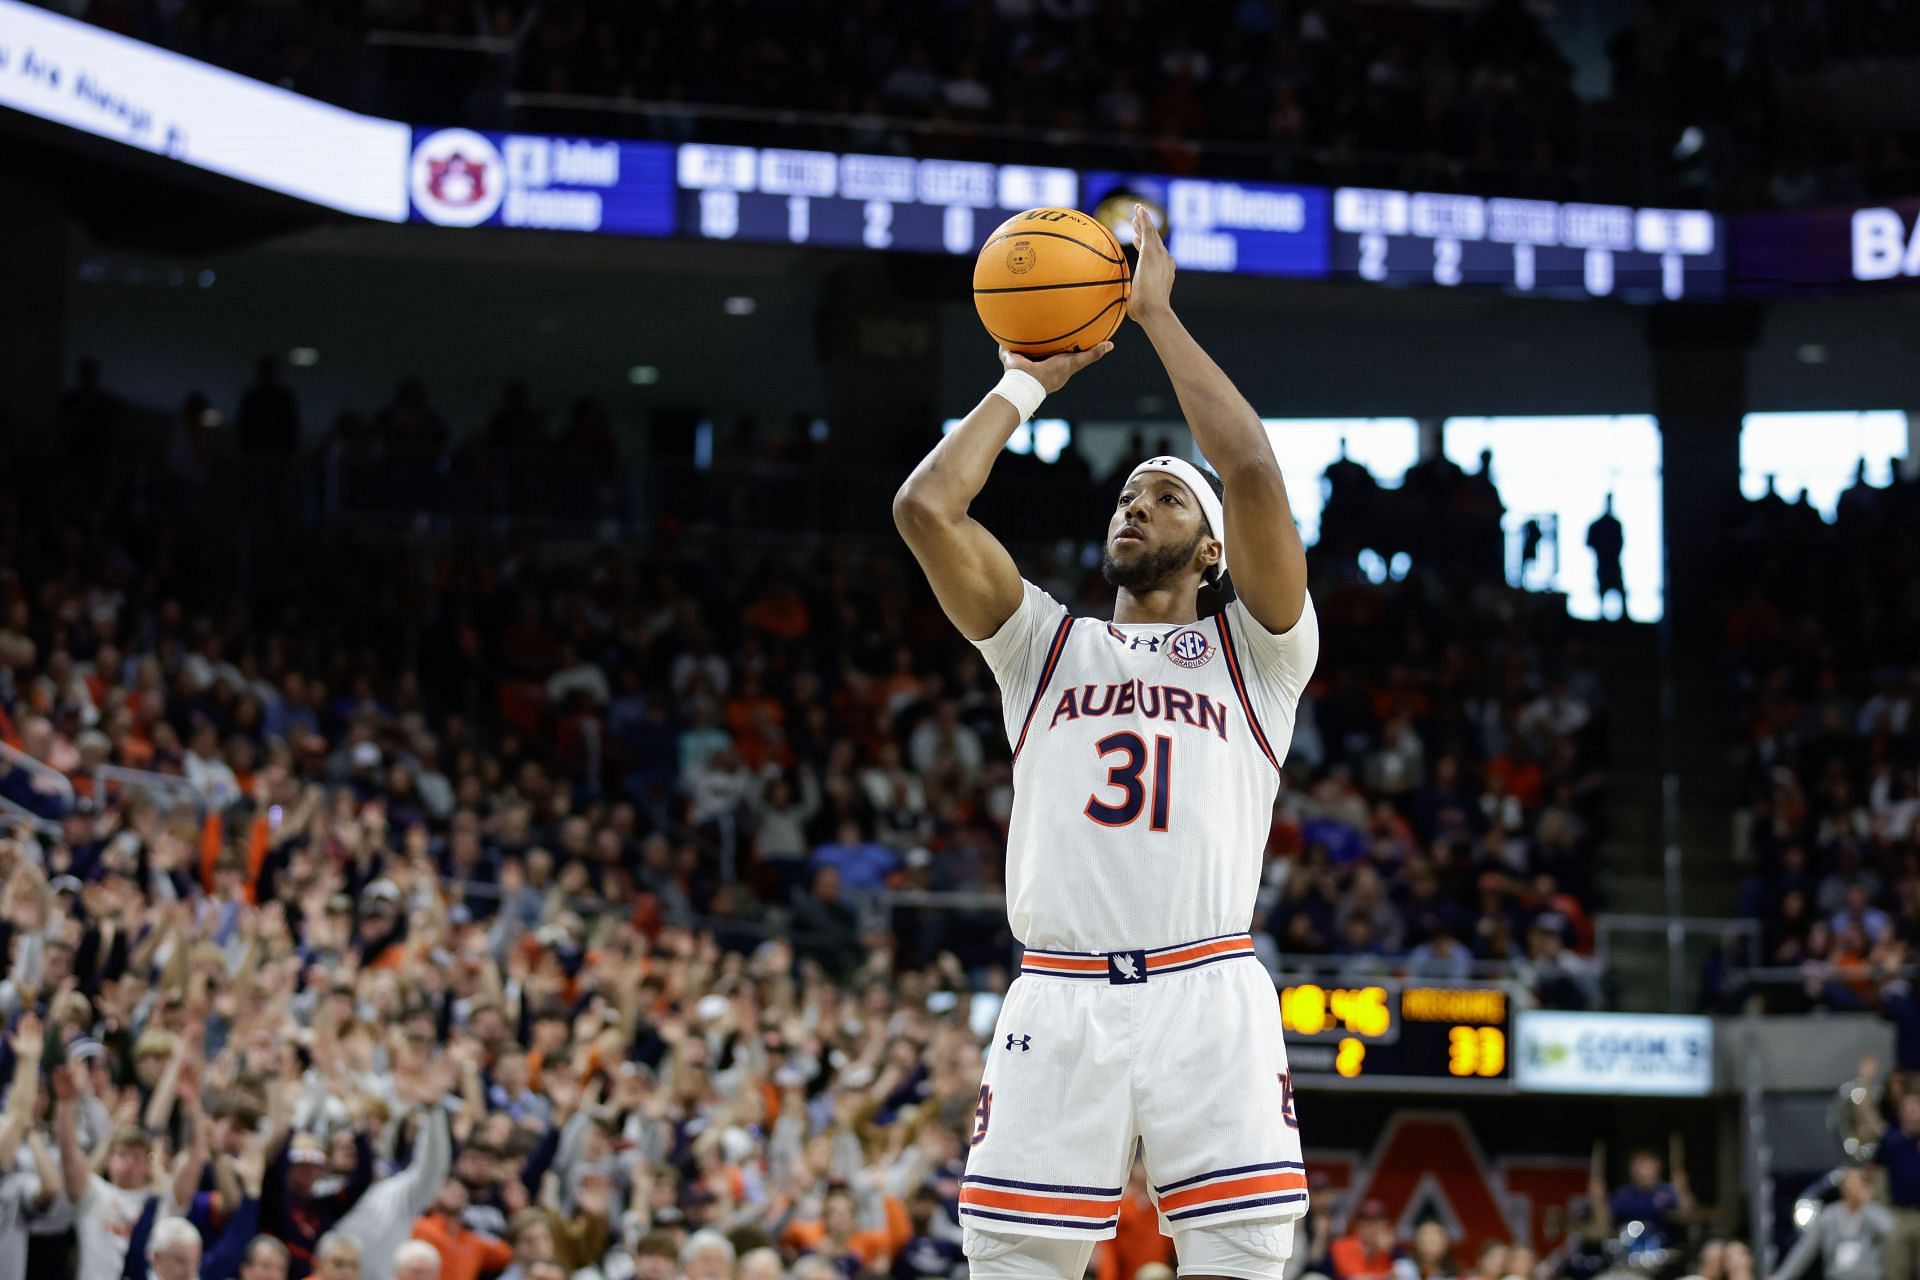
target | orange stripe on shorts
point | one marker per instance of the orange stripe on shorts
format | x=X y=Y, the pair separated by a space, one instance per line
x=1234 y=1190
x=994 y=1198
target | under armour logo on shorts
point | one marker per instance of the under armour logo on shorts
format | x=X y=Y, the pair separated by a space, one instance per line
x=1022 y=1043
x=1124 y=967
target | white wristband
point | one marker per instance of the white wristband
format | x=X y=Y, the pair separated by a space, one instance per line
x=1021 y=390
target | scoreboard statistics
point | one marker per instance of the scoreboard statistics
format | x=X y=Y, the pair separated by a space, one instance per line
x=1528 y=246
x=1253 y=228
x=1398 y=1034
x=775 y=196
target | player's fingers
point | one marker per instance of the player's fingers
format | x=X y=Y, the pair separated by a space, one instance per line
x=1079 y=360
x=1145 y=235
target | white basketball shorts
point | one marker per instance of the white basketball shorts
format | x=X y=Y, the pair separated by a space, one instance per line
x=1179 y=1047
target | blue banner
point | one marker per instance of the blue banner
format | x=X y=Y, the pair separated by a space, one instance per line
x=463 y=178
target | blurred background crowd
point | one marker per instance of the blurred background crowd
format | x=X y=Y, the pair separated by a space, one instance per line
x=664 y=876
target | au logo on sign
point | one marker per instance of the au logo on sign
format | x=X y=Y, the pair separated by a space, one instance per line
x=457 y=178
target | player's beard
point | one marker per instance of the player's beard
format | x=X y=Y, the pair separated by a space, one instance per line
x=1151 y=570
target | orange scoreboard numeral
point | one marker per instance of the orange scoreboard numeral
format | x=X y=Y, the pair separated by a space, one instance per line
x=1476 y=1051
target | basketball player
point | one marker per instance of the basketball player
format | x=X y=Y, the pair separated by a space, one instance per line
x=1146 y=759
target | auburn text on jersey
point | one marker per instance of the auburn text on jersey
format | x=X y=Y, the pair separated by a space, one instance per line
x=1169 y=702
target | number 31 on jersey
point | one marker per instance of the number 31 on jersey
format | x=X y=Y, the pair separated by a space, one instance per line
x=1125 y=776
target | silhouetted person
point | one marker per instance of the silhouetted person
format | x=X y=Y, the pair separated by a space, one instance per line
x=1606 y=540
x=590 y=433
x=1483 y=542
x=269 y=413
x=411 y=421
x=1352 y=515
x=516 y=424
x=1859 y=502
x=1531 y=535
x=89 y=416
x=1770 y=510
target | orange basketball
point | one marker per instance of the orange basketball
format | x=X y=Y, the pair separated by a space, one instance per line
x=1051 y=280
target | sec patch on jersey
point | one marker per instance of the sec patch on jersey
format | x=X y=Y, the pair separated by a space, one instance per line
x=1190 y=649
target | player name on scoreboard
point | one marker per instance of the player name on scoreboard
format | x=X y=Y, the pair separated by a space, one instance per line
x=1410 y=1033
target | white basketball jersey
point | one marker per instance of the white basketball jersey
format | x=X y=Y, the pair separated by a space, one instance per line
x=1146 y=760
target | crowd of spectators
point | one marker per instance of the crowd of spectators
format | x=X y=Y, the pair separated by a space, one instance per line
x=1400 y=93
x=1822 y=625
x=504 y=908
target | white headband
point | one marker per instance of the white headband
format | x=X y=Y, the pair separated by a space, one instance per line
x=1195 y=479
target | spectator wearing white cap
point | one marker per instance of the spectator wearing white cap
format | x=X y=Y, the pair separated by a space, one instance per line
x=173 y=1250
x=416 y=1260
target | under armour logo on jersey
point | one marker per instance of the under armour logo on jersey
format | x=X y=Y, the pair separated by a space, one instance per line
x=1150 y=643
x=1023 y=1043
x=1124 y=967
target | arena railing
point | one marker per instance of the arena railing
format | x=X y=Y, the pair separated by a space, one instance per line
x=40 y=769
x=1738 y=940
x=167 y=790
x=17 y=817
x=1517 y=977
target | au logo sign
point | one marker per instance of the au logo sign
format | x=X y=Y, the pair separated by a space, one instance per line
x=1428 y=1164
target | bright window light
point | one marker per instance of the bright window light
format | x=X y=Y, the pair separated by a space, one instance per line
x=1044 y=438
x=1819 y=453
x=1306 y=447
x=1559 y=472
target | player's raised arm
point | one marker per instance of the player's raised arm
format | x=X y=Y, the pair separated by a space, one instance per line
x=972 y=574
x=1269 y=563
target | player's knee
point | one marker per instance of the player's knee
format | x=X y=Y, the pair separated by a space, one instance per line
x=994 y=1255
x=1242 y=1250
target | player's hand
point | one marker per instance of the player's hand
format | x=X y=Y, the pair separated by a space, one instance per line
x=1152 y=295
x=1054 y=371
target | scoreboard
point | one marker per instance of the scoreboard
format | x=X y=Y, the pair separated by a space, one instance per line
x=775 y=196
x=1395 y=1034
x=1529 y=246
x=1253 y=228
x=844 y=200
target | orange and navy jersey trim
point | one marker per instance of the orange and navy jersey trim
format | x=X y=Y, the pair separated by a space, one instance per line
x=1054 y=650
x=1240 y=687
x=1162 y=960
x=1040 y=1204
x=1247 y=1186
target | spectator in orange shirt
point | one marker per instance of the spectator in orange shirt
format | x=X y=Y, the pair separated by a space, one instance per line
x=464 y=1254
x=1368 y=1251
x=835 y=1239
x=1137 y=1240
x=780 y=613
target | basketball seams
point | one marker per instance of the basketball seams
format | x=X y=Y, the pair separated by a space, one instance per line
x=1015 y=343
x=1072 y=284
x=1120 y=261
